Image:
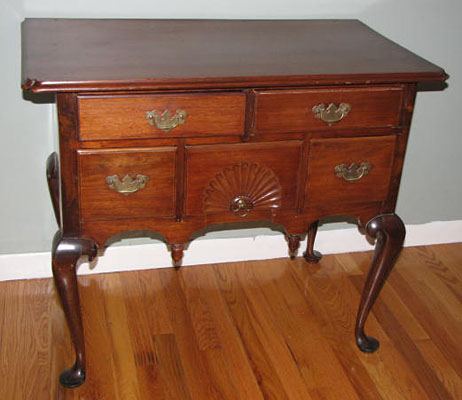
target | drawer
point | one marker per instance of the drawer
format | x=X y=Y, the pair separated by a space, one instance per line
x=332 y=177
x=304 y=110
x=127 y=183
x=242 y=178
x=125 y=117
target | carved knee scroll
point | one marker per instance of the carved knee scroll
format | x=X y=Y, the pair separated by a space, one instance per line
x=65 y=254
x=389 y=232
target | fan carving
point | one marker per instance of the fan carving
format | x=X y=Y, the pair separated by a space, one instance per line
x=241 y=188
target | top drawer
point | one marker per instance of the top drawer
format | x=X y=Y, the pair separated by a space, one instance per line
x=301 y=110
x=160 y=115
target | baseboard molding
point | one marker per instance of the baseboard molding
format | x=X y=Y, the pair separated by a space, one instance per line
x=212 y=251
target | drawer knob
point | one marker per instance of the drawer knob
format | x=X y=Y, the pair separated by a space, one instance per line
x=127 y=185
x=165 y=121
x=354 y=172
x=332 y=113
x=241 y=205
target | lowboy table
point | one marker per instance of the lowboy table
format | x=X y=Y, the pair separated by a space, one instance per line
x=174 y=125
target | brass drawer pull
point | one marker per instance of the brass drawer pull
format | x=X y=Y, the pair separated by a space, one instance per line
x=354 y=172
x=165 y=121
x=127 y=185
x=332 y=113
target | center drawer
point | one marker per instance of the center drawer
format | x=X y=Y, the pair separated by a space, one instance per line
x=160 y=115
x=242 y=179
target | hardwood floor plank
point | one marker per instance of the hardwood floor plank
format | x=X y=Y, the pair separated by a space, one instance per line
x=432 y=386
x=24 y=352
x=119 y=334
x=443 y=369
x=217 y=334
x=312 y=353
x=200 y=379
x=426 y=306
x=260 y=338
x=147 y=365
x=334 y=300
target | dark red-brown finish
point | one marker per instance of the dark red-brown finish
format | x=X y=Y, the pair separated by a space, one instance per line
x=53 y=184
x=65 y=254
x=124 y=117
x=179 y=54
x=294 y=244
x=311 y=255
x=177 y=254
x=250 y=149
x=292 y=110
x=389 y=232
x=99 y=201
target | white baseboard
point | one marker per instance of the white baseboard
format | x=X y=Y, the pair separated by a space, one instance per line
x=211 y=251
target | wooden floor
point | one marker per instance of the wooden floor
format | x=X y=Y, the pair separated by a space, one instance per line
x=275 y=329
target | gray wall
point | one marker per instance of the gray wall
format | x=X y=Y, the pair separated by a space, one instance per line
x=432 y=185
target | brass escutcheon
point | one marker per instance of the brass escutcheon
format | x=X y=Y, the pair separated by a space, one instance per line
x=354 y=172
x=241 y=205
x=127 y=185
x=165 y=121
x=332 y=113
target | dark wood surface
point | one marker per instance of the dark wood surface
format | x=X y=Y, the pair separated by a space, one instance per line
x=323 y=186
x=157 y=198
x=124 y=117
x=291 y=110
x=85 y=54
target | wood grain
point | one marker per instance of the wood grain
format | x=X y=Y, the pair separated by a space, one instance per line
x=157 y=198
x=275 y=329
x=124 y=116
x=291 y=110
x=156 y=54
x=324 y=186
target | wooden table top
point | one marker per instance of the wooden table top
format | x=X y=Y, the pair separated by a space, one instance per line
x=122 y=54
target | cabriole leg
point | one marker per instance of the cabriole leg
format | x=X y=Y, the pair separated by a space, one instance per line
x=66 y=252
x=389 y=232
x=311 y=255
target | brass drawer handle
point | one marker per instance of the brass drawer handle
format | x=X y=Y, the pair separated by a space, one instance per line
x=165 y=121
x=332 y=113
x=127 y=185
x=354 y=172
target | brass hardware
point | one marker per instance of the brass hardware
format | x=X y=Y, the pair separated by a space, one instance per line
x=128 y=185
x=165 y=121
x=241 y=205
x=332 y=113
x=354 y=172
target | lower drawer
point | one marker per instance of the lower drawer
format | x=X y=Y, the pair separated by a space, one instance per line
x=349 y=170
x=127 y=183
